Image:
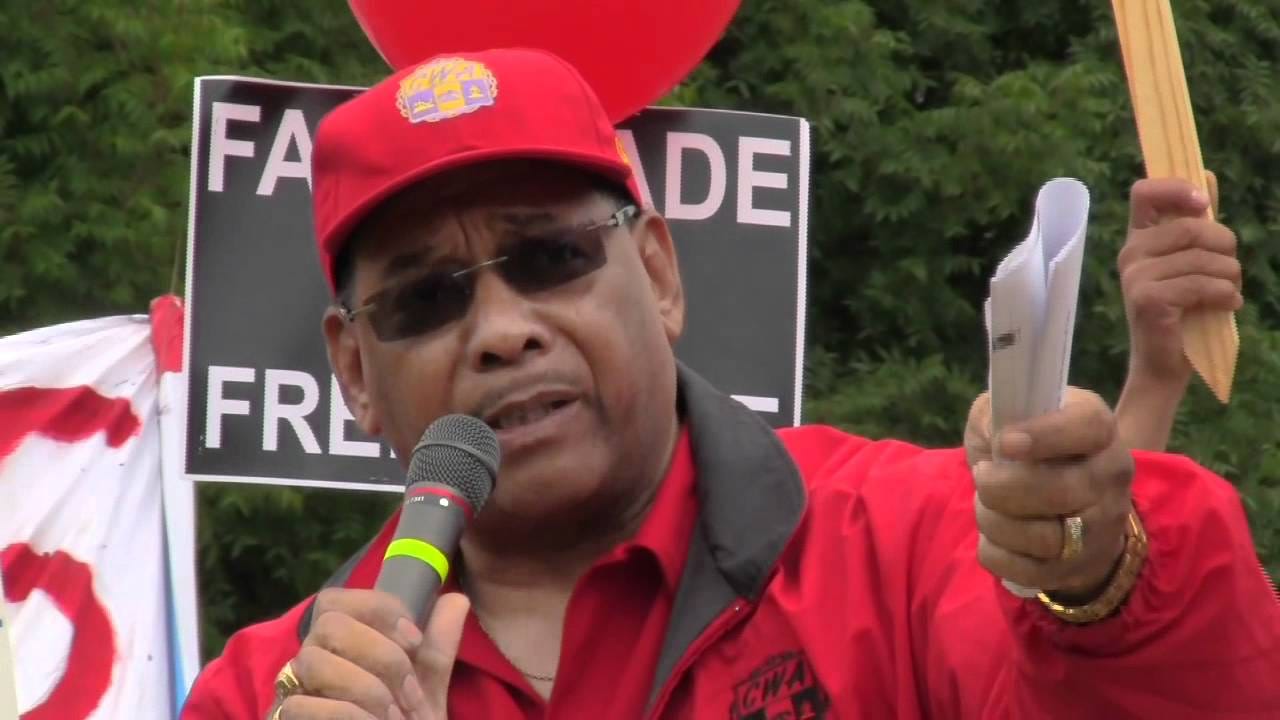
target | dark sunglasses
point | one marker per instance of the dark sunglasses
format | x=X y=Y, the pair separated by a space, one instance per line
x=532 y=264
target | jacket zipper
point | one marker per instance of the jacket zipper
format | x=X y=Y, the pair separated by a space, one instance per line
x=724 y=622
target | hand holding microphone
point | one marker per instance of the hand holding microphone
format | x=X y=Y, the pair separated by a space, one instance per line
x=389 y=652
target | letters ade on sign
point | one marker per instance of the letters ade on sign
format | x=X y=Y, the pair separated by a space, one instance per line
x=263 y=405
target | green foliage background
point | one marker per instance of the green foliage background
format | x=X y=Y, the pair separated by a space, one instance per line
x=934 y=123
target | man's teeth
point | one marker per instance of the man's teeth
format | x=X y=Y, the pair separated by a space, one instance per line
x=523 y=416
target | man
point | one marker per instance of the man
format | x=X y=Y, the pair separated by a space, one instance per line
x=651 y=548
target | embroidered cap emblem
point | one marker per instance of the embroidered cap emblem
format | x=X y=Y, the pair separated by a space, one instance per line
x=447 y=88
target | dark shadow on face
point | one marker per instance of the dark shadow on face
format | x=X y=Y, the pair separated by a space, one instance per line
x=578 y=379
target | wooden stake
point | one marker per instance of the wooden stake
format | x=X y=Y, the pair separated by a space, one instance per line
x=1171 y=148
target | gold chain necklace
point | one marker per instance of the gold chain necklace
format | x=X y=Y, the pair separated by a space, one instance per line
x=463 y=583
x=522 y=671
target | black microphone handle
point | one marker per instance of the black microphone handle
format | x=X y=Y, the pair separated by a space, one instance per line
x=418 y=560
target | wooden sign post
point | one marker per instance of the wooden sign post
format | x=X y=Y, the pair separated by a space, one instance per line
x=1171 y=148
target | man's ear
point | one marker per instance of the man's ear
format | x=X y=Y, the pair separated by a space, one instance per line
x=658 y=255
x=343 y=346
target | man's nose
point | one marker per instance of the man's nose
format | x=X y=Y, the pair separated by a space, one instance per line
x=503 y=328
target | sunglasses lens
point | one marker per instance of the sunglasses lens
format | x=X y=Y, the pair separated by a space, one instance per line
x=420 y=306
x=531 y=265
x=542 y=263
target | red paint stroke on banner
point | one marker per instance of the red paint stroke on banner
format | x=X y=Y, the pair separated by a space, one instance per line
x=167 y=333
x=63 y=414
x=69 y=584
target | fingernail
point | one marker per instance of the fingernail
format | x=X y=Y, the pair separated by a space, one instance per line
x=408 y=632
x=1199 y=197
x=413 y=695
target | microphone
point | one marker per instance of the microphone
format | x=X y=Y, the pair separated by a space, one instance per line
x=451 y=474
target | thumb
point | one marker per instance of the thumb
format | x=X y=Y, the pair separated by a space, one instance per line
x=977 y=431
x=438 y=651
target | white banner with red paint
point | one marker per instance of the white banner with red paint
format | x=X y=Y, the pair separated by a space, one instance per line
x=100 y=600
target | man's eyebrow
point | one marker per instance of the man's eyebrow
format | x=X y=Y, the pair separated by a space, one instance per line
x=404 y=262
x=517 y=220
x=524 y=218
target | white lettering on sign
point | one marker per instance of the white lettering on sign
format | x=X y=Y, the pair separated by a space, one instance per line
x=222 y=147
x=219 y=405
x=292 y=131
x=689 y=147
x=758 y=403
x=675 y=206
x=749 y=179
x=298 y=417
x=276 y=409
x=291 y=135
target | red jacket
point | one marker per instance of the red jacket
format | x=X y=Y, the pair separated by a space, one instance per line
x=834 y=577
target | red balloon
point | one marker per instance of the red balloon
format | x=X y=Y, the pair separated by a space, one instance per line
x=632 y=52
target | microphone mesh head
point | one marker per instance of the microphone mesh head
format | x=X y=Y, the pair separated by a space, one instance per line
x=461 y=452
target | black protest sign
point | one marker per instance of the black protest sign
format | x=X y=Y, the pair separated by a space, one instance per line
x=263 y=405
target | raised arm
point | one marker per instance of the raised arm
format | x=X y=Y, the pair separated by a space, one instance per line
x=1173 y=260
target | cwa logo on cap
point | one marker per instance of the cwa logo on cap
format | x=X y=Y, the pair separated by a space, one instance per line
x=445 y=88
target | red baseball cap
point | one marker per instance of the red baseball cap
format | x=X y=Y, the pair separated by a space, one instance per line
x=448 y=112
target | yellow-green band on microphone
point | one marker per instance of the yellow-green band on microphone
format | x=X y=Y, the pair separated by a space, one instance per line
x=426 y=552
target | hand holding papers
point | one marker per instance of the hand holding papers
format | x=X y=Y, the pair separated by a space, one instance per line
x=1031 y=312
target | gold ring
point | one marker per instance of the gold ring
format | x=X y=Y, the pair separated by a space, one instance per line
x=287 y=682
x=1072 y=537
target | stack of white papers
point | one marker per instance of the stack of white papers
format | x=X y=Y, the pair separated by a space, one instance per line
x=1031 y=312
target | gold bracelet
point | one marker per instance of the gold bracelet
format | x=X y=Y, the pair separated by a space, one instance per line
x=1117 y=590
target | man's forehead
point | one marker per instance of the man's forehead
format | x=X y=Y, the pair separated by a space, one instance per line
x=417 y=243
x=516 y=192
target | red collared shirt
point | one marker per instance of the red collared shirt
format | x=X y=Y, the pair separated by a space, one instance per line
x=613 y=630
